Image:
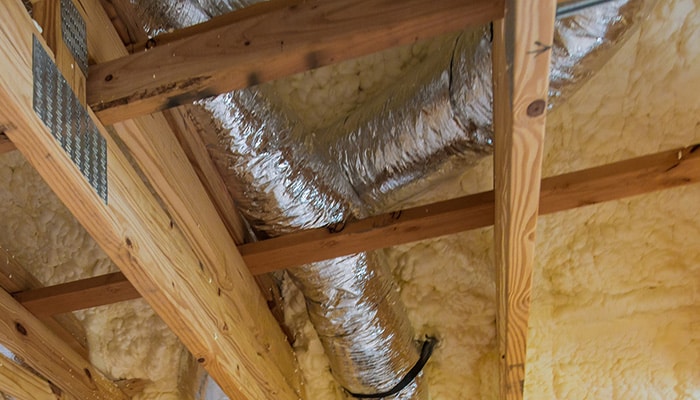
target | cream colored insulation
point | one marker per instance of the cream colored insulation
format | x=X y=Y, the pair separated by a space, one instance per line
x=126 y=340
x=616 y=292
x=598 y=329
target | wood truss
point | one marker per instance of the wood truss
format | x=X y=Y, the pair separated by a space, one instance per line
x=170 y=225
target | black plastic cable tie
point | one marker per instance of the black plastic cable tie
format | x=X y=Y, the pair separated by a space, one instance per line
x=426 y=352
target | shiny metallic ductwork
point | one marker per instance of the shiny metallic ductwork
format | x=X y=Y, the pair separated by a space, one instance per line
x=285 y=177
x=441 y=113
x=352 y=301
x=445 y=126
x=586 y=40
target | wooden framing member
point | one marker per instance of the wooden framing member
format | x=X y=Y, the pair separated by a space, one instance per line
x=15 y=278
x=47 y=13
x=104 y=44
x=268 y=41
x=186 y=132
x=521 y=61
x=614 y=181
x=22 y=384
x=25 y=336
x=209 y=300
x=646 y=174
x=5 y=143
x=121 y=14
x=84 y=293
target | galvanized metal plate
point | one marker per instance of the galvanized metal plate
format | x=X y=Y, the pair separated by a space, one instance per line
x=68 y=120
x=74 y=34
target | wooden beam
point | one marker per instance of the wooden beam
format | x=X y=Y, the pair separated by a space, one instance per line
x=77 y=295
x=22 y=384
x=269 y=41
x=25 y=336
x=103 y=44
x=187 y=131
x=640 y=175
x=210 y=302
x=5 y=143
x=521 y=61
x=15 y=278
x=187 y=135
x=125 y=21
x=590 y=186
x=47 y=13
x=646 y=174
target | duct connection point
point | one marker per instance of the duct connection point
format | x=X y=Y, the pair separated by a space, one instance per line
x=427 y=350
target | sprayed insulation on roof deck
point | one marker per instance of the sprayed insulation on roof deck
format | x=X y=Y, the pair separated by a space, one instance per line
x=615 y=301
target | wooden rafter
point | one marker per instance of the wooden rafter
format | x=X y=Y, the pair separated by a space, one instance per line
x=41 y=349
x=186 y=132
x=124 y=20
x=646 y=174
x=104 y=45
x=268 y=41
x=521 y=61
x=22 y=384
x=226 y=323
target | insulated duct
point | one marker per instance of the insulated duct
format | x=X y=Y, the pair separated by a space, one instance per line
x=352 y=301
x=444 y=125
x=285 y=177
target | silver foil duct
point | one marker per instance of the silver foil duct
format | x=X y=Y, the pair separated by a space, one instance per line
x=440 y=113
x=586 y=40
x=352 y=301
x=285 y=177
x=445 y=125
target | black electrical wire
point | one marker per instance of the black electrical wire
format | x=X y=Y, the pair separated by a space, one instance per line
x=426 y=352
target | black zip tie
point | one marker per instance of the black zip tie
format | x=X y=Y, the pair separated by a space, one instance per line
x=426 y=352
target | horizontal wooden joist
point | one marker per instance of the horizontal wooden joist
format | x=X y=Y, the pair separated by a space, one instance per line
x=632 y=177
x=563 y=192
x=84 y=293
x=268 y=41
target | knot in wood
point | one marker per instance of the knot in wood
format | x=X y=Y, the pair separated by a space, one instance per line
x=536 y=108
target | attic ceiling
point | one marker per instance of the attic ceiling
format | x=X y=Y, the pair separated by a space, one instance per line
x=616 y=286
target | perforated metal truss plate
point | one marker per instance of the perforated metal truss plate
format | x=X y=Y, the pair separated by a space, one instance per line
x=68 y=121
x=74 y=34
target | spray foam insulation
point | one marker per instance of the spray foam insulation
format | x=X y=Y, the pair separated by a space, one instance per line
x=615 y=310
x=616 y=287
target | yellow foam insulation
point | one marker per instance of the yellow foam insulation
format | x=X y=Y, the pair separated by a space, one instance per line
x=616 y=292
x=615 y=310
x=126 y=340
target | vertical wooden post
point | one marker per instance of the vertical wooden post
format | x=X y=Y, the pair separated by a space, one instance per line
x=521 y=60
